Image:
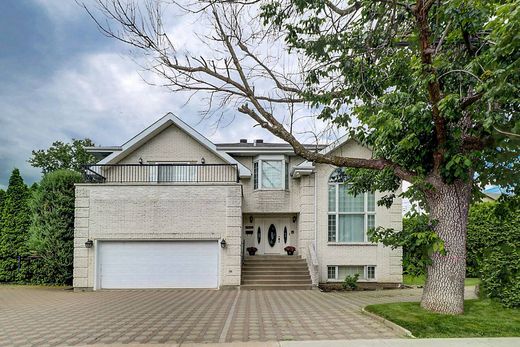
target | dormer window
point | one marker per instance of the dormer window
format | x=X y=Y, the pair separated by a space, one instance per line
x=271 y=173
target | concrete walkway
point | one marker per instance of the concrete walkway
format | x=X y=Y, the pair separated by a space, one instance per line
x=55 y=317
x=471 y=342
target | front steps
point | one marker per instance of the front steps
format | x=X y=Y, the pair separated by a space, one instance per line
x=275 y=272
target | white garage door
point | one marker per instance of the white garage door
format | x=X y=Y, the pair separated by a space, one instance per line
x=158 y=264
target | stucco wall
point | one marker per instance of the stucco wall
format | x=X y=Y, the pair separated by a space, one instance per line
x=165 y=212
x=172 y=144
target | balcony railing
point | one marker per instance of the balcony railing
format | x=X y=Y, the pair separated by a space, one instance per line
x=161 y=173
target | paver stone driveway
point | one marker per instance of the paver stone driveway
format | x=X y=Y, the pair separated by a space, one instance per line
x=54 y=316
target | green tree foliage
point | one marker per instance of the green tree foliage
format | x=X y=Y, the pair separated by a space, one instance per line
x=2 y=199
x=14 y=231
x=460 y=73
x=494 y=249
x=417 y=239
x=63 y=156
x=52 y=228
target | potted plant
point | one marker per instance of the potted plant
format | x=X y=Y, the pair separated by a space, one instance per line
x=252 y=250
x=290 y=250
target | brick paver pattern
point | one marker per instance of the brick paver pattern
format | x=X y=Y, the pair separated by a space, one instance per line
x=54 y=316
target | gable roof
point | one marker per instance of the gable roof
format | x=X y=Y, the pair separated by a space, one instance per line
x=161 y=124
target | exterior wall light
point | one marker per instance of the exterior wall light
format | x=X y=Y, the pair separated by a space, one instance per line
x=140 y=160
x=223 y=243
x=250 y=219
x=202 y=160
x=89 y=244
x=294 y=219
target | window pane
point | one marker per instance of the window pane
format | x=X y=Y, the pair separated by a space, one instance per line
x=272 y=174
x=349 y=203
x=351 y=228
x=255 y=175
x=177 y=173
x=371 y=222
x=286 y=175
x=332 y=198
x=331 y=272
x=345 y=271
x=371 y=272
x=332 y=228
x=371 y=202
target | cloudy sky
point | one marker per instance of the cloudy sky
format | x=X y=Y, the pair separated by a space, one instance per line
x=61 y=79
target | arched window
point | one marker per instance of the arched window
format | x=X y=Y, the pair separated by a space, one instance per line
x=349 y=216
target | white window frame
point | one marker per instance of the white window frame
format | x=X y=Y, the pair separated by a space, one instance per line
x=336 y=270
x=258 y=178
x=154 y=172
x=365 y=273
x=337 y=213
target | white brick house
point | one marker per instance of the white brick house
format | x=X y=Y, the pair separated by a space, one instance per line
x=170 y=209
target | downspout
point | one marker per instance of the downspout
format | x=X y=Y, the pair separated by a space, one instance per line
x=315 y=213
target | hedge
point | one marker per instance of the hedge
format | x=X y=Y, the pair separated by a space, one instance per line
x=52 y=228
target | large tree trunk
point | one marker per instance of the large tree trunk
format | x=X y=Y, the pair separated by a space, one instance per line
x=444 y=288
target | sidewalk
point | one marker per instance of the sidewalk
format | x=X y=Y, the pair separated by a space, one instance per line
x=466 y=342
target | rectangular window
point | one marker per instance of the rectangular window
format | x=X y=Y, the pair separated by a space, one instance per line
x=331 y=272
x=371 y=272
x=255 y=175
x=350 y=217
x=339 y=273
x=371 y=202
x=371 y=221
x=349 y=270
x=332 y=198
x=351 y=228
x=348 y=202
x=332 y=228
x=173 y=172
x=271 y=172
x=177 y=173
x=286 y=175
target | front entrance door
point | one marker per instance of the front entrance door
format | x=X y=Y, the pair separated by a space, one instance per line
x=270 y=235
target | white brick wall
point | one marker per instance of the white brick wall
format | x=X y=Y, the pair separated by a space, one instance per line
x=270 y=201
x=176 y=212
x=387 y=261
x=172 y=144
x=168 y=212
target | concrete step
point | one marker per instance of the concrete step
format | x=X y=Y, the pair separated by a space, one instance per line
x=275 y=272
x=265 y=256
x=281 y=272
x=277 y=281
x=246 y=277
x=277 y=269
x=273 y=260
x=275 y=287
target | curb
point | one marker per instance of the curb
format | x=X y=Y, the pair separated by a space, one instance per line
x=389 y=324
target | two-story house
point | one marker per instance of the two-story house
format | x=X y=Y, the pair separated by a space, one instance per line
x=171 y=209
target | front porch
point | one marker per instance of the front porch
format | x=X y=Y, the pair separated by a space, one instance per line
x=269 y=234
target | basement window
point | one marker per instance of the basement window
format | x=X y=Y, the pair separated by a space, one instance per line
x=338 y=273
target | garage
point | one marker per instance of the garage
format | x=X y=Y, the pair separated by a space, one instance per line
x=157 y=264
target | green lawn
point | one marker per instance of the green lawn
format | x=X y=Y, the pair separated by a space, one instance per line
x=419 y=281
x=481 y=318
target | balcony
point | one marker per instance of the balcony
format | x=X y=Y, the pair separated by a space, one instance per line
x=161 y=173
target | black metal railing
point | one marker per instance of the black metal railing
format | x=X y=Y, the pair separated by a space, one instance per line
x=161 y=173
